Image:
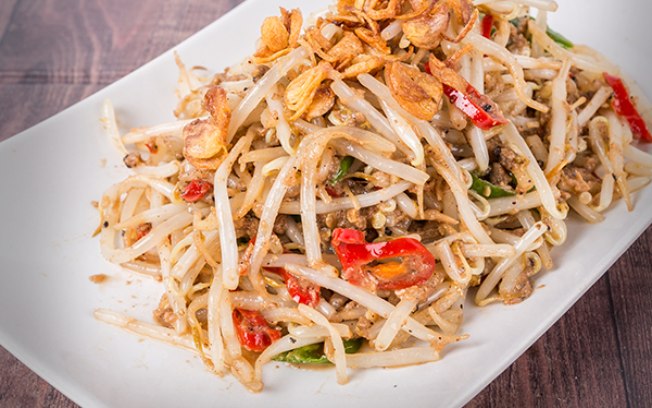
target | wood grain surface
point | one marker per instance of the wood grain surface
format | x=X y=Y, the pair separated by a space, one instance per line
x=54 y=53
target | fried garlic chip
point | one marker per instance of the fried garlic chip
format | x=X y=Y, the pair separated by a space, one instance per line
x=463 y=9
x=417 y=92
x=341 y=55
x=373 y=39
x=216 y=104
x=347 y=48
x=427 y=29
x=345 y=6
x=446 y=75
x=363 y=64
x=391 y=10
x=322 y=103
x=205 y=139
x=274 y=34
x=278 y=35
x=301 y=91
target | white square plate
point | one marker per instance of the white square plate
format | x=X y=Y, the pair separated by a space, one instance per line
x=50 y=173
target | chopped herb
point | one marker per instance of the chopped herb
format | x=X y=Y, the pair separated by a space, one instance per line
x=345 y=165
x=314 y=353
x=559 y=39
x=487 y=189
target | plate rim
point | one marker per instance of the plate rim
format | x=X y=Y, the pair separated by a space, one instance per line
x=84 y=397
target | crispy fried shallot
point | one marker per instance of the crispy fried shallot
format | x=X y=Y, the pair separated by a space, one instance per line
x=301 y=91
x=205 y=139
x=417 y=92
x=279 y=34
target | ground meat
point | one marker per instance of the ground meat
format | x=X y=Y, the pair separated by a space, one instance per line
x=587 y=81
x=587 y=161
x=572 y=89
x=362 y=220
x=493 y=146
x=429 y=231
x=281 y=225
x=423 y=291
x=398 y=219
x=499 y=176
x=364 y=325
x=345 y=219
x=342 y=116
x=247 y=226
x=518 y=43
x=163 y=314
x=507 y=157
x=516 y=165
x=577 y=180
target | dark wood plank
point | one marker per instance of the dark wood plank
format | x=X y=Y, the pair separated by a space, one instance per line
x=6 y=13
x=43 y=101
x=631 y=289
x=56 y=52
x=575 y=364
x=95 y=41
x=20 y=387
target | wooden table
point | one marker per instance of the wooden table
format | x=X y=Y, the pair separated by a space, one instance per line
x=55 y=53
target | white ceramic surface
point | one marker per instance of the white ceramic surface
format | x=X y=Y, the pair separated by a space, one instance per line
x=50 y=173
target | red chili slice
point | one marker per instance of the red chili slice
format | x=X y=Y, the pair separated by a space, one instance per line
x=253 y=331
x=196 y=190
x=142 y=230
x=487 y=25
x=299 y=289
x=624 y=107
x=152 y=147
x=482 y=111
x=355 y=255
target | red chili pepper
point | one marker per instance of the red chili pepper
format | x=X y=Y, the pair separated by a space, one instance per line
x=482 y=111
x=142 y=230
x=253 y=331
x=487 y=25
x=355 y=255
x=196 y=190
x=332 y=192
x=152 y=147
x=301 y=290
x=623 y=106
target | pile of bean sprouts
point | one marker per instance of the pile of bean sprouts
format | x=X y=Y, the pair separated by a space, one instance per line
x=272 y=205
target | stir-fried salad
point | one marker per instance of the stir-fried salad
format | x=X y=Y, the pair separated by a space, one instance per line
x=338 y=196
